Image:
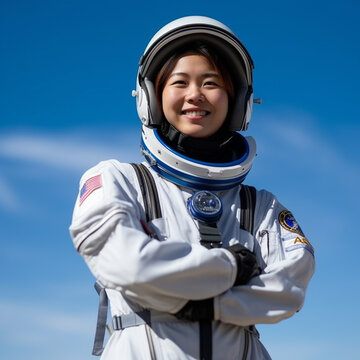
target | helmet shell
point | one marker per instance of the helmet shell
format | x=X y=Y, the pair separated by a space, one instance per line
x=177 y=34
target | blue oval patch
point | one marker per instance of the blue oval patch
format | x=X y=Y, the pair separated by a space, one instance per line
x=288 y=222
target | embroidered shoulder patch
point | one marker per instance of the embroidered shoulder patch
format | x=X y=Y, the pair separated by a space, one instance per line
x=89 y=186
x=288 y=222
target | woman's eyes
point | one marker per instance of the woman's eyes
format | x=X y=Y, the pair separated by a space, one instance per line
x=210 y=83
x=207 y=83
x=179 y=82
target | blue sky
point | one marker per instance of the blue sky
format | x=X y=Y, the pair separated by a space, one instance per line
x=67 y=69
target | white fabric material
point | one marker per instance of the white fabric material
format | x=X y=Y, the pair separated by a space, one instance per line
x=141 y=272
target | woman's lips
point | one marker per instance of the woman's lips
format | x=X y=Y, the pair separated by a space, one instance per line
x=195 y=114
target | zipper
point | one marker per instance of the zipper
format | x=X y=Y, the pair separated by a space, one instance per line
x=262 y=234
x=246 y=345
x=150 y=342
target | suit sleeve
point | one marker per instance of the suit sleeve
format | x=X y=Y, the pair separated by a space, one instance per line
x=162 y=275
x=287 y=259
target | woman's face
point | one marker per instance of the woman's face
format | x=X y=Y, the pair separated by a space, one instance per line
x=194 y=98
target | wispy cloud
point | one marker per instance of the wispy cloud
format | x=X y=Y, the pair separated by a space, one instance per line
x=67 y=151
x=313 y=146
x=26 y=323
x=74 y=151
x=293 y=139
x=8 y=197
x=42 y=332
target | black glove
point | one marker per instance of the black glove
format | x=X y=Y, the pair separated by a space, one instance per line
x=247 y=266
x=197 y=310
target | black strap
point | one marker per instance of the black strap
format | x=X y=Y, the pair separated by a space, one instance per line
x=210 y=236
x=149 y=192
x=247 y=206
x=205 y=334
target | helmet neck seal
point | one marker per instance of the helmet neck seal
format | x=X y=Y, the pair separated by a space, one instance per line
x=194 y=173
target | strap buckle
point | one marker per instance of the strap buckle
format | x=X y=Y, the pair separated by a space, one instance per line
x=129 y=320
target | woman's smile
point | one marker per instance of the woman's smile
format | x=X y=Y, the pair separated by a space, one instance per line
x=195 y=114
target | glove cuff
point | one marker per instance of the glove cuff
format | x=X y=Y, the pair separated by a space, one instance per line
x=247 y=266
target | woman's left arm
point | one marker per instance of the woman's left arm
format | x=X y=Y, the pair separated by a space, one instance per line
x=287 y=260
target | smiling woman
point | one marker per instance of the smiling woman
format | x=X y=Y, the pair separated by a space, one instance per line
x=190 y=258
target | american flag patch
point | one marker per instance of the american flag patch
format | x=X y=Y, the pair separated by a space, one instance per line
x=90 y=185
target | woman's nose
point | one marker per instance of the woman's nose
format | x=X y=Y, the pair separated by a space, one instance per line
x=194 y=94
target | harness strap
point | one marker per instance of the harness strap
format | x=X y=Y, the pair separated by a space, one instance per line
x=129 y=320
x=149 y=192
x=205 y=334
x=121 y=322
x=247 y=205
x=210 y=236
x=98 y=346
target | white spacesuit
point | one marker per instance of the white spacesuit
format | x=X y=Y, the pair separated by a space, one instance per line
x=161 y=266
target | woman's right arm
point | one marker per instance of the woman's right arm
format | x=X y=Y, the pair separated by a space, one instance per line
x=162 y=275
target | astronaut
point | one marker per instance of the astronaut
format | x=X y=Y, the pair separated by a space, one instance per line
x=191 y=283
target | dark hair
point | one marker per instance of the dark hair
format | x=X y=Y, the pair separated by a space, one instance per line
x=194 y=49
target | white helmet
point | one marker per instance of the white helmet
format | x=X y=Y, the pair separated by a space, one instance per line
x=169 y=163
x=177 y=34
